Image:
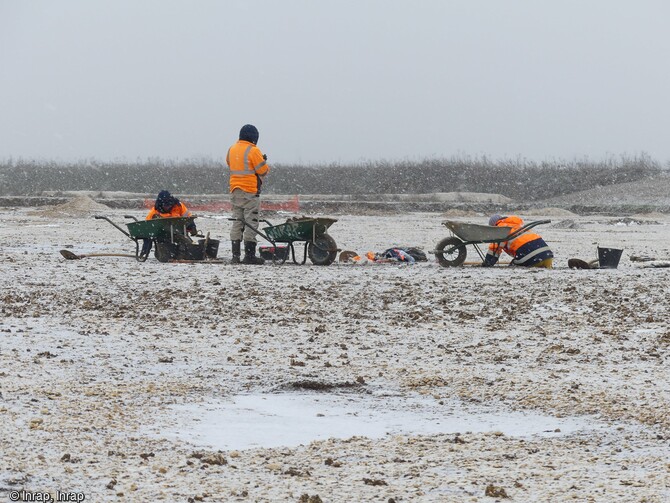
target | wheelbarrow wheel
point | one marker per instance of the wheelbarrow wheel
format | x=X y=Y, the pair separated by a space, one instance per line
x=455 y=254
x=323 y=250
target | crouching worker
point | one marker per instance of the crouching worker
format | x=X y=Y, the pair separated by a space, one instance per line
x=167 y=206
x=527 y=249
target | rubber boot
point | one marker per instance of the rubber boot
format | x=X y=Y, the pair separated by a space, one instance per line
x=236 y=252
x=250 y=254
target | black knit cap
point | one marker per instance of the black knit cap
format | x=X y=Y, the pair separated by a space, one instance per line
x=165 y=201
x=249 y=133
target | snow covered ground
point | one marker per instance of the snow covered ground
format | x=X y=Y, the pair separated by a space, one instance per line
x=212 y=382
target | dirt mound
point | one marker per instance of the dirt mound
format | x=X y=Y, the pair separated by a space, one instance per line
x=650 y=191
x=566 y=224
x=82 y=206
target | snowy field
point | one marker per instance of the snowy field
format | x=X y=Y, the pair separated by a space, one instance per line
x=212 y=382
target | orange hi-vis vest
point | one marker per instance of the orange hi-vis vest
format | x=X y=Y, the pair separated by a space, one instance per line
x=247 y=165
x=178 y=210
x=527 y=249
x=512 y=246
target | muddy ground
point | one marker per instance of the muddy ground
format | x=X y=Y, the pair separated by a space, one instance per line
x=96 y=353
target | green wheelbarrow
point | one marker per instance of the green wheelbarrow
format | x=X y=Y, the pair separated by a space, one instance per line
x=168 y=237
x=319 y=246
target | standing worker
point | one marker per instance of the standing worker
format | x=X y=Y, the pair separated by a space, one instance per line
x=527 y=249
x=248 y=165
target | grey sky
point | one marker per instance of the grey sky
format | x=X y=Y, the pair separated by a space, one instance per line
x=334 y=81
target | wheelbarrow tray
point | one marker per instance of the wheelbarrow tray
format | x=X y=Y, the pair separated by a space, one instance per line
x=158 y=228
x=302 y=229
x=477 y=232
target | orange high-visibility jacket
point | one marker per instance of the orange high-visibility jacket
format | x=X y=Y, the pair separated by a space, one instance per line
x=178 y=210
x=512 y=246
x=247 y=165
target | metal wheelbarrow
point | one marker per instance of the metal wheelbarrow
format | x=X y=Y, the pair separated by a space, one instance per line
x=168 y=237
x=451 y=251
x=320 y=246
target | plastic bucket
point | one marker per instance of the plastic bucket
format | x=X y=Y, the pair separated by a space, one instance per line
x=212 y=247
x=272 y=253
x=190 y=251
x=165 y=252
x=608 y=258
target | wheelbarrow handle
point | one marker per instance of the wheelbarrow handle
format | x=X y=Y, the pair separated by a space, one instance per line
x=525 y=228
x=130 y=216
x=256 y=231
x=245 y=222
x=101 y=217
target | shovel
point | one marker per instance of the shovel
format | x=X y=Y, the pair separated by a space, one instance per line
x=68 y=255
x=576 y=263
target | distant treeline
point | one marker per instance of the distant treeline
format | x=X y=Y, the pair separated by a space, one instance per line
x=517 y=179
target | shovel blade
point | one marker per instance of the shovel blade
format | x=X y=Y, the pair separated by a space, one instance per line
x=67 y=254
x=575 y=263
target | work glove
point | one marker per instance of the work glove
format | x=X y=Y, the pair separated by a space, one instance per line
x=265 y=157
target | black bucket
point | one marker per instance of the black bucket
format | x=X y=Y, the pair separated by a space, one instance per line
x=272 y=253
x=212 y=247
x=165 y=252
x=190 y=251
x=608 y=258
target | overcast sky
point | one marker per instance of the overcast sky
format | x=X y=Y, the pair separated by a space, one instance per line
x=335 y=81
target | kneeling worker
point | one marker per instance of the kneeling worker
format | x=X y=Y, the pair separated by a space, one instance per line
x=167 y=206
x=527 y=249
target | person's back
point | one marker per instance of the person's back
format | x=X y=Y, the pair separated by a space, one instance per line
x=527 y=250
x=247 y=165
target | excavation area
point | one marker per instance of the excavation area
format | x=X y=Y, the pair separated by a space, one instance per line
x=356 y=381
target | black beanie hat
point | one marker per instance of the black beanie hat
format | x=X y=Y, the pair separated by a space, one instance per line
x=165 y=201
x=249 y=133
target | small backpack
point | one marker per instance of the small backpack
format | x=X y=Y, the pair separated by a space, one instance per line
x=417 y=253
